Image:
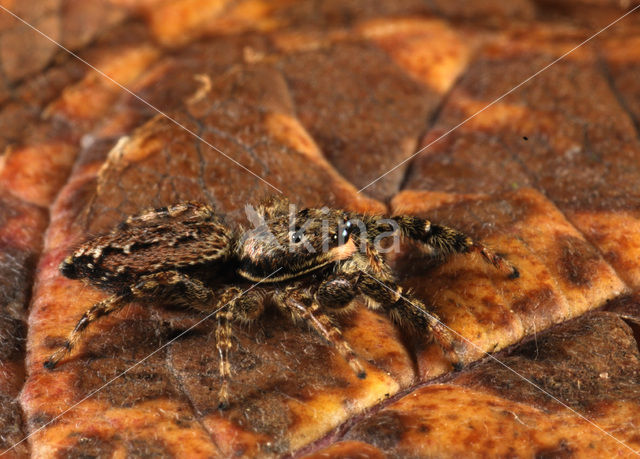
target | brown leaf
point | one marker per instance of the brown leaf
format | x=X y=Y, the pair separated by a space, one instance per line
x=236 y=101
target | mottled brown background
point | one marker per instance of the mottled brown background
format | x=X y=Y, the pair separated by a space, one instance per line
x=319 y=99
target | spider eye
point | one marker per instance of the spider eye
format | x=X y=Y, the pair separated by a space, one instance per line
x=345 y=233
x=296 y=237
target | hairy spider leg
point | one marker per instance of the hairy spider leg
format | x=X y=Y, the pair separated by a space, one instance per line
x=381 y=292
x=318 y=320
x=224 y=345
x=174 y=287
x=235 y=306
x=446 y=241
x=170 y=286
x=224 y=342
x=100 y=309
x=409 y=311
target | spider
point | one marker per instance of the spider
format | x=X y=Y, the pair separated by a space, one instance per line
x=316 y=260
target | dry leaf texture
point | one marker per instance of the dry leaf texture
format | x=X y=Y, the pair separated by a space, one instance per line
x=328 y=102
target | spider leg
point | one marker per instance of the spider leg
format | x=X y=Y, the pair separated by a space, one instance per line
x=170 y=286
x=406 y=309
x=223 y=341
x=174 y=287
x=445 y=241
x=307 y=308
x=233 y=306
x=100 y=309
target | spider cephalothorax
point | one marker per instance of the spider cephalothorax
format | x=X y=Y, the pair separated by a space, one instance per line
x=316 y=260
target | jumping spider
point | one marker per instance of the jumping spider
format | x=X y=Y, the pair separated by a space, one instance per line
x=317 y=261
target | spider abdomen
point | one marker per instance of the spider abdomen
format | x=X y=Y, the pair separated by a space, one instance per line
x=183 y=236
